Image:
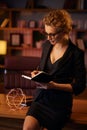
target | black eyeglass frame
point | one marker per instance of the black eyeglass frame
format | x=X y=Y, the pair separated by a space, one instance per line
x=52 y=34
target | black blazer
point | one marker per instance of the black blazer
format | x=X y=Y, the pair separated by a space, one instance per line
x=70 y=69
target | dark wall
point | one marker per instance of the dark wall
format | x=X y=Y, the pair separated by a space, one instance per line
x=15 y=3
x=44 y=3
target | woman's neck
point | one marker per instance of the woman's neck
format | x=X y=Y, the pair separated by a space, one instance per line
x=61 y=44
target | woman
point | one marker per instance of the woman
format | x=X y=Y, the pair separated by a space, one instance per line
x=52 y=106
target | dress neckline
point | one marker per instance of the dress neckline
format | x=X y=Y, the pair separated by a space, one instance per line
x=60 y=57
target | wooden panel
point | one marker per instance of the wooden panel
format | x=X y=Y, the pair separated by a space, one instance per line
x=11 y=124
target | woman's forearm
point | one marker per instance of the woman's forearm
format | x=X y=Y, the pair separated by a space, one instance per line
x=65 y=87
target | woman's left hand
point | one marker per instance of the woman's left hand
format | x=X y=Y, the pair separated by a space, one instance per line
x=45 y=85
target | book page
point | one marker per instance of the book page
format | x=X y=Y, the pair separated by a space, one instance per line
x=27 y=77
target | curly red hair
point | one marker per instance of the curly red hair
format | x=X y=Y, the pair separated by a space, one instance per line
x=60 y=19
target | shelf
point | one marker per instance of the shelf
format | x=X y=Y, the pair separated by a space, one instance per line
x=17 y=28
x=77 y=10
x=22 y=48
x=47 y=10
x=80 y=30
x=26 y=10
x=25 y=51
x=39 y=10
x=30 y=36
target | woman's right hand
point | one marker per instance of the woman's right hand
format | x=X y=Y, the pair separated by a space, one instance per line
x=34 y=72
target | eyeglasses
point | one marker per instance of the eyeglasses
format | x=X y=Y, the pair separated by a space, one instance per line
x=51 y=34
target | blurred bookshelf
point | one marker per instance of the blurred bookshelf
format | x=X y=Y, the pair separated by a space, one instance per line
x=27 y=24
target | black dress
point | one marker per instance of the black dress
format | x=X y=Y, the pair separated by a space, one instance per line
x=52 y=107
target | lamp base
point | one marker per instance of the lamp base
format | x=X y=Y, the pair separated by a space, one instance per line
x=1 y=60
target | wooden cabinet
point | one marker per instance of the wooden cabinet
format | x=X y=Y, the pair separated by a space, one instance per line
x=22 y=29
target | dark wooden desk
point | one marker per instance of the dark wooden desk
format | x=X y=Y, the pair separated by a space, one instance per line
x=79 y=113
x=79 y=116
x=13 y=120
x=9 y=119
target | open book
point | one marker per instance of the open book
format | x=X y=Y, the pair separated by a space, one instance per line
x=40 y=77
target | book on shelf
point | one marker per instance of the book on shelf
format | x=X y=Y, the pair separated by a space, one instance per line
x=75 y=4
x=28 y=37
x=80 y=4
x=70 y=4
x=40 y=77
x=4 y=23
